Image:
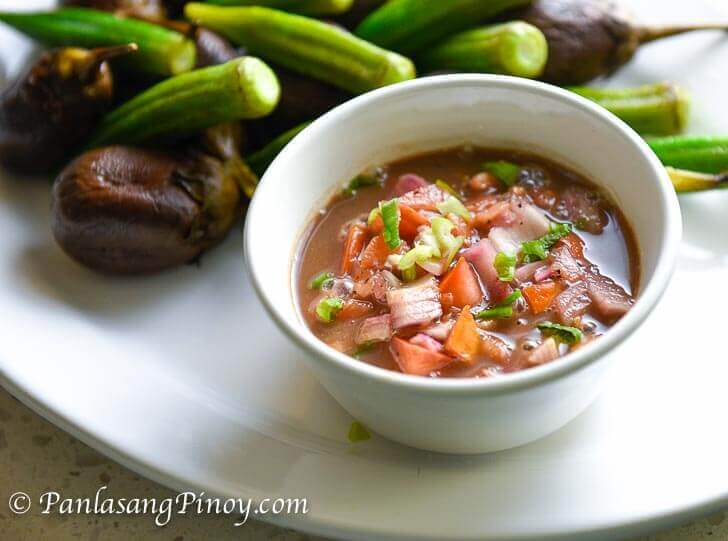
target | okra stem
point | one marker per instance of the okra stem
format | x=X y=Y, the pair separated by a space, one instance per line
x=410 y=26
x=691 y=181
x=704 y=154
x=186 y=104
x=260 y=160
x=657 y=109
x=161 y=51
x=310 y=47
x=304 y=7
x=513 y=48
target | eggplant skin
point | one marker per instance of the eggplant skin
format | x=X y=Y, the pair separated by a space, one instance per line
x=44 y=116
x=587 y=38
x=213 y=49
x=123 y=210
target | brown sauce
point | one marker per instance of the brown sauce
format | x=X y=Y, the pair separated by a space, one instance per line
x=609 y=251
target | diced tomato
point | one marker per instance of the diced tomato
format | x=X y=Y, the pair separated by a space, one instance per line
x=354 y=244
x=409 y=221
x=377 y=225
x=354 y=309
x=416 y=360
x=462 y=284
x=541 y=296
x=464 y=339
x=446 y=300
x=375 y=254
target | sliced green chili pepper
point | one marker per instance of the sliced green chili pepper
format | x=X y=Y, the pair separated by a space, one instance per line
x=506 y=172
x=359 y=182
x=505 y=266
x=322 y=280
x=186 y=104
x=161 y=51
x=503 y=310
x=327 y=309
x=314 y=48
x=562 y=333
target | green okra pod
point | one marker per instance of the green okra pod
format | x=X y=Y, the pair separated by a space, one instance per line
x=161 y=51
x=411 y=26
x=304 y=7
x=691 y=181
x=186 y=104
x=260 y=160
x=307 y=46
x=657 y=109
x=703 y=154
x=513 y=48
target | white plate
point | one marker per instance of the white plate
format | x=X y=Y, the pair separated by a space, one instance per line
x=182 y=378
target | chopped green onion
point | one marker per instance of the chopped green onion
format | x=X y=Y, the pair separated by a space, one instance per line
x=327 y=309
x=505 y=266
x=427 y=237
x=533 y=250
x=360 y=181
x=373 y=215
x=409 y=274
x=453 y=205
x=449 y=244
x=506 y=172
x=445 y=187
x=322 y=281
x=562 y=333
x=390 y=217
x=366 y=347
x=510 y=299
x=537 y=250
x=358 y=432
x=503 y=310
x=499 y=312
x=419 y=254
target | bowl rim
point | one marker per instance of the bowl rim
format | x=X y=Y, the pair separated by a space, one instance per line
x=650 y=295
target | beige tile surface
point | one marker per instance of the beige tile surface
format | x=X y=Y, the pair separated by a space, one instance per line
x=36 y=457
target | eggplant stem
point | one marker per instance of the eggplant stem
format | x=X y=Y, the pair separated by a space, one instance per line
x=101 y=55
x=648 y=34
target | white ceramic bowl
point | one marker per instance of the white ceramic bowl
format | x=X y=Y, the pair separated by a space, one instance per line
x=459 y=415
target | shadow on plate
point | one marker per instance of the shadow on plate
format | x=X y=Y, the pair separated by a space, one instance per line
x=705 y=242
x=43 y=268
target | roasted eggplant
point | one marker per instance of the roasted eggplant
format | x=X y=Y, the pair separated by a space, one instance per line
x=127 y=210
x=590 y=38
x=54 y=107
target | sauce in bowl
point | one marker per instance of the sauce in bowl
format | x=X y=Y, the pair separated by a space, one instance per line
x=466 y=262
